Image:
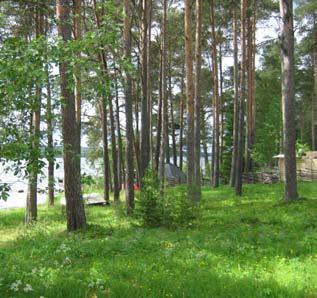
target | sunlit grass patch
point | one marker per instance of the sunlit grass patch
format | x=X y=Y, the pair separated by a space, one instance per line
x=253 y=247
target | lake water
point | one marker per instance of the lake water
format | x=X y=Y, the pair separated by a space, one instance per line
x=17 y=195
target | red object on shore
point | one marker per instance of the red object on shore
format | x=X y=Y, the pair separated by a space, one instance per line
x=136 y=187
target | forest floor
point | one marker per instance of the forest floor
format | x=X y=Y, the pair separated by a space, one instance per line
x=253 y=247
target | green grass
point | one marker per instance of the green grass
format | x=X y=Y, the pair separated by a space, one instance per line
x=253 y=247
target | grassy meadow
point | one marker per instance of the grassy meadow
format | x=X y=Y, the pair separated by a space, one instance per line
x=256 y=246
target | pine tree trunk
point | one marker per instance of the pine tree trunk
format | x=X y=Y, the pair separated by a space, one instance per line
x=242 y=100
x=76 y=218
x=50 y=145
x=136 y=96
x=77 y=75
x=149 y=83
x=145 y=129
x=235 y=101
x=120 y=144
x=104 y=128
x=164 y=144
x=31 y=201
x=159 y=115
x=288 y=98
x=314 y=101
x=128 y=111
x=253 y=130
x=116 y=186
x=106 y=164
x=172 y=114
x=221 y=105
x=181 y=131
x=190 y=100
x=198 y=54
x=216 y=101
x=250 y=117
x=205 y=147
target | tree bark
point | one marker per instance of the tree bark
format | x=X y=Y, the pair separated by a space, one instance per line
x=149 y=83
x=116 y=189
x=197 y=98
x=172 y=113
x=164 y=143
x=221 y=105
x=145 y=125
x=288 y=98
x=181 y=131
x=250 y=117
x=77 y=74
x=76 y=218
x=242 y=100
x=190 y=100
x=135 y=96
x=128 y=111
x=216 y=101
x=204 y=143
x=50 y=145
x=105 y=151
x=31 y=202
x=159 y=114
x=314 y=101
x=120 y=144
x=104 y=119
x=235 y=101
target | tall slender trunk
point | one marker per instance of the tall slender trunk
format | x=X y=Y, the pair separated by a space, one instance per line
x=164 y=144
x=145 y=129
x=172 y=114
x=235 y=101
x=106 y=82
x=120 y=144
x=197 y=99
x=50 y=145
x=31 y=202
x=288 y=98
x=190 y=100
x=104 y=128
x=253 y=79
x=181 y=130
x=250 y=127
x=242 y=100
x=221 y=104
x=216 y=101
x=159 y=114
x=314 y=101
x=149 y=83
x=204 y=143
x=128 y=110
x=76 y=218
x=77 y=74
x=116 y=189
x=135 y=92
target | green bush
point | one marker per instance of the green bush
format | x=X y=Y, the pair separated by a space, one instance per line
x=149 y=205
x=178 y=210
x=173 y=209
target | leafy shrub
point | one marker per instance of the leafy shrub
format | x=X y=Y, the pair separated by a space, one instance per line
x=301 y=149
x=178 y=210
x=173 y=209
x=149 y=206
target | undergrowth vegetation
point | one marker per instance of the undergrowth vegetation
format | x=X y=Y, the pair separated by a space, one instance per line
x=254 y=247
x=169 y=209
